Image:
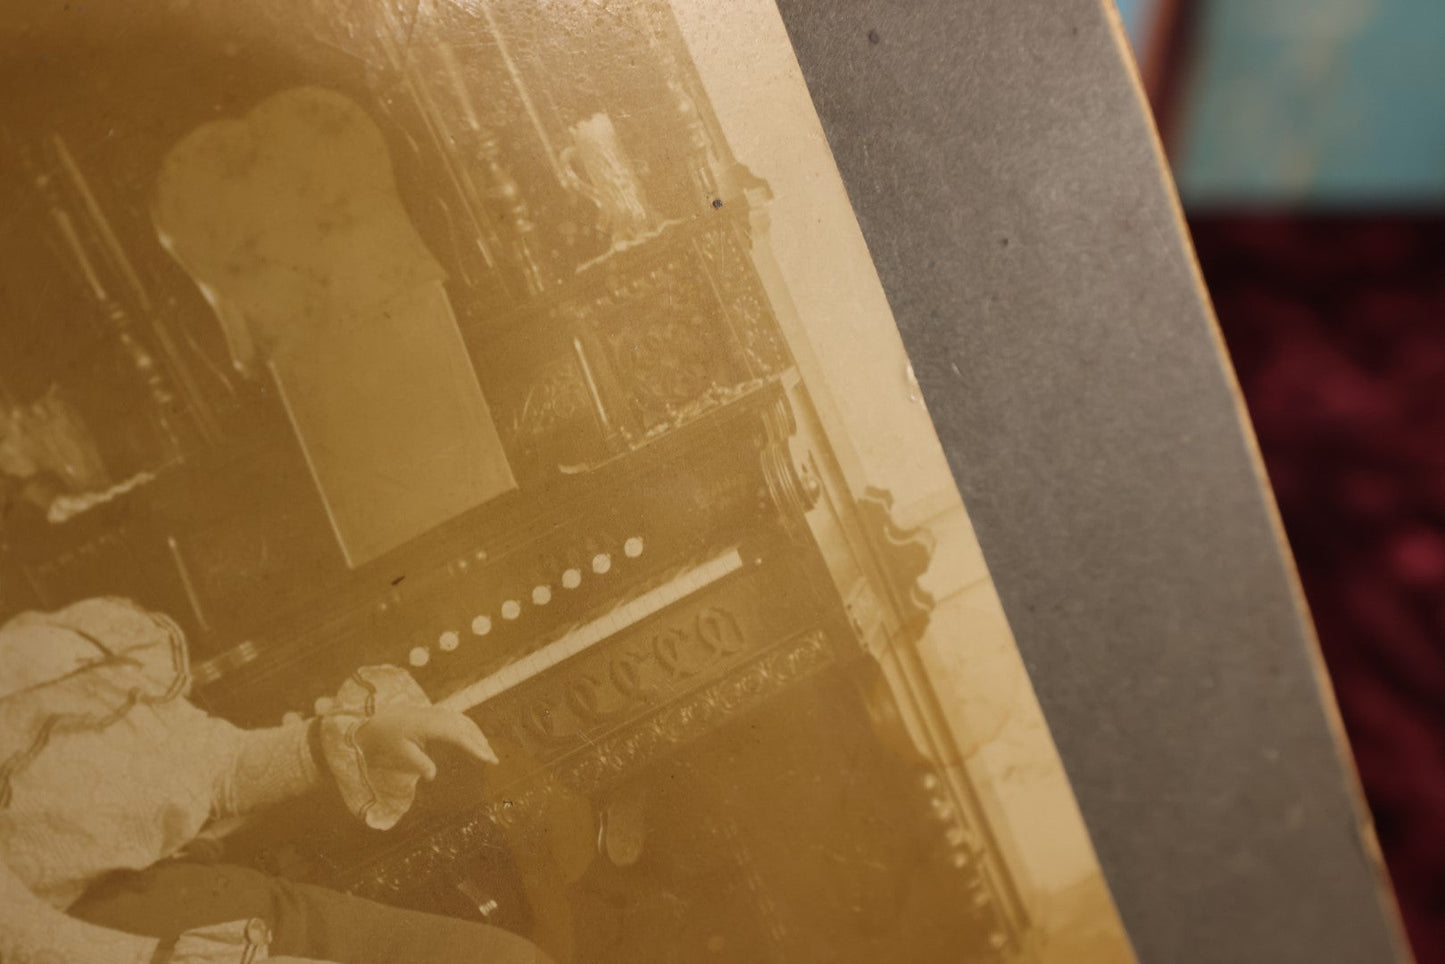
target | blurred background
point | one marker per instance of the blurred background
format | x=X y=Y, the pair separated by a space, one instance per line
x=1307 y=138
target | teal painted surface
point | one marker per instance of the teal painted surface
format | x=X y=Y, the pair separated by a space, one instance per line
x=1136 y=14
x=1316 y=103
x=1139 y=18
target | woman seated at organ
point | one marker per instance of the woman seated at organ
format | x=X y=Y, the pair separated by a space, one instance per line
x=108 y=772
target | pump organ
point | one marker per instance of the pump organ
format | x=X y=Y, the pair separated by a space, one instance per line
x=679 y=629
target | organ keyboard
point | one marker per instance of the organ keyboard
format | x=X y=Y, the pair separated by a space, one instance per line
x=591 y=633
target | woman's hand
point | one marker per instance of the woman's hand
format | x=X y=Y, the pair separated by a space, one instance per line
x=400 y=737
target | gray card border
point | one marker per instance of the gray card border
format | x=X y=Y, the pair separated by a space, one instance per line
x=1006 y=177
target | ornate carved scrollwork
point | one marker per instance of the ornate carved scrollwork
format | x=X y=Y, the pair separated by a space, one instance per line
x=743 y=302
x=558 y=396
x=603 y=762
x=665 y=361
x=656 y=320
x=702 y=712
x=792 y=486
x=903 y=557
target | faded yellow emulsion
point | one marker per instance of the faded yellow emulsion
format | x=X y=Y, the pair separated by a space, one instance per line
x=502 y=389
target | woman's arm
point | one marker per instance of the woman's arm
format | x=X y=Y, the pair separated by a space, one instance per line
x=375 y=750
x=254 y=769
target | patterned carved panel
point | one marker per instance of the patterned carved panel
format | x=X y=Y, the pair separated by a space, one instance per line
x=557 y=402
x=664 y=338
x=601 y=763
x=744 y=302
x=615 y=685
x=665 y=363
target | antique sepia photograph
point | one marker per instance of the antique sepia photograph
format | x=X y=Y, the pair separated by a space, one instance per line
x=465 y=499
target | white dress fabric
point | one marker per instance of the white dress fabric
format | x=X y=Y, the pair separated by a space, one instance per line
x=106 y=765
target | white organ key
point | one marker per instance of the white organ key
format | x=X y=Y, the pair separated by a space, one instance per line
x=591 y=633
x=492 y=688
x=529 y=666
x=509 y=676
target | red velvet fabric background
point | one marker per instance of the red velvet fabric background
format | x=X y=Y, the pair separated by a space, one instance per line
x=1337 y=330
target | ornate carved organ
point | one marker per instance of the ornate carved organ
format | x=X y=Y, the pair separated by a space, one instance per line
x=686 y=635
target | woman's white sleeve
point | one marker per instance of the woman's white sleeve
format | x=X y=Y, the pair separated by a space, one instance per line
x=253 y=769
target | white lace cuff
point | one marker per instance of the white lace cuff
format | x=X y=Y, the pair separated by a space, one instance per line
x=379 y=796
